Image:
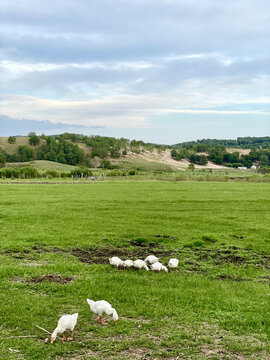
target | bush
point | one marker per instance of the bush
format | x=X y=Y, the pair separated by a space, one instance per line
x=52 y=173
x=9 y=172
x=264 y=170
x=33 y=138
x=2 y=160
x=115 y=172
x=209 y=238
x=12 y=139
x=236 y=165
x=26 y=153
x=105 y=164
x=132 y=172
x=81 y=171
x=28 y=172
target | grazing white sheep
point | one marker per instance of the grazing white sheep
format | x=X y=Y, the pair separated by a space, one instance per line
x=66 y=322
x=116 y=261
x=151 y=259
x=100 y=307
x=173 y=263
x=128 y=263
x=157 y=266
x=140 y=264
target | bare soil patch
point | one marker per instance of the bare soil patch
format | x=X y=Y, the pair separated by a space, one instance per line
x=56 y=278
x=193 y=258
x=100 y=256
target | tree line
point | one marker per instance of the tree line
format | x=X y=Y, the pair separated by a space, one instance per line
x=242 y=142
x=218 y=154
x=64 y=149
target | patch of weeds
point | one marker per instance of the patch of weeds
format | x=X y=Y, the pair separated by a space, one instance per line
x=230 y=277
x=139 y=242
x=194 y=244
x=209 y=239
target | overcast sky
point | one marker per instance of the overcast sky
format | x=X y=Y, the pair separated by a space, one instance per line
x=158 y=70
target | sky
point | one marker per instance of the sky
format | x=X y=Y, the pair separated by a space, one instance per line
x=163 y=71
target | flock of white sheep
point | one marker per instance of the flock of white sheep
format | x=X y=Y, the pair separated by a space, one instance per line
x=151 y=260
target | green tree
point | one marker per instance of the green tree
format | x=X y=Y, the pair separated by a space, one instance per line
x=33 y=138
x=12 y=139
x=2 y=160
x=26 y=153
x=191 y=167
x=105 y=164
x=264 y=160
x=203 y=160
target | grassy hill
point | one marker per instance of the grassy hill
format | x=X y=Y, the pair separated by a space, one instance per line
x=90 y=151
x=44 y=165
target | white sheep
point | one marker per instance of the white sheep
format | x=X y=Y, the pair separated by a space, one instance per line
x=140 y=264
x=157 y=266
x=151 y=259
x=173 y=263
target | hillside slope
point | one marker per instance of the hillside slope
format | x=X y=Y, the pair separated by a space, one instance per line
x=146 y=160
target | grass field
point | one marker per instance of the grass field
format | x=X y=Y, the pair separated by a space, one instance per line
x=141 y=164
x=44 y=165
x=55 y=244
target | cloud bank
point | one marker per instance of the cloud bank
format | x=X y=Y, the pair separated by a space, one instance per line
x=138 y=64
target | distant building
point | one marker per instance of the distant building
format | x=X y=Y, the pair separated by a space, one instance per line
x=242 y=168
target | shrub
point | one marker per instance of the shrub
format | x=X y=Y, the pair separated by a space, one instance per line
x=26 y=153
x=12 y=139
x=209 y=238
x=105 y=164
x=52 y=173
x=2 y=160
x=9 y=172
x=264 y=170
x=81 y=171
x=33 y=138
x=132 y=172
x=28 y=172
x=236 y=165
x=115 y=172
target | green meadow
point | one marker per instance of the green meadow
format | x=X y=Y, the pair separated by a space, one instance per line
x=55 y=243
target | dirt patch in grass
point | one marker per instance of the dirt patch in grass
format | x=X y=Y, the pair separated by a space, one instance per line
x=101 y=255
x=194 y=258
x=134 y=353
x=230 y=277
x=233 y=255
x=29 y=253
x=56 y=278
